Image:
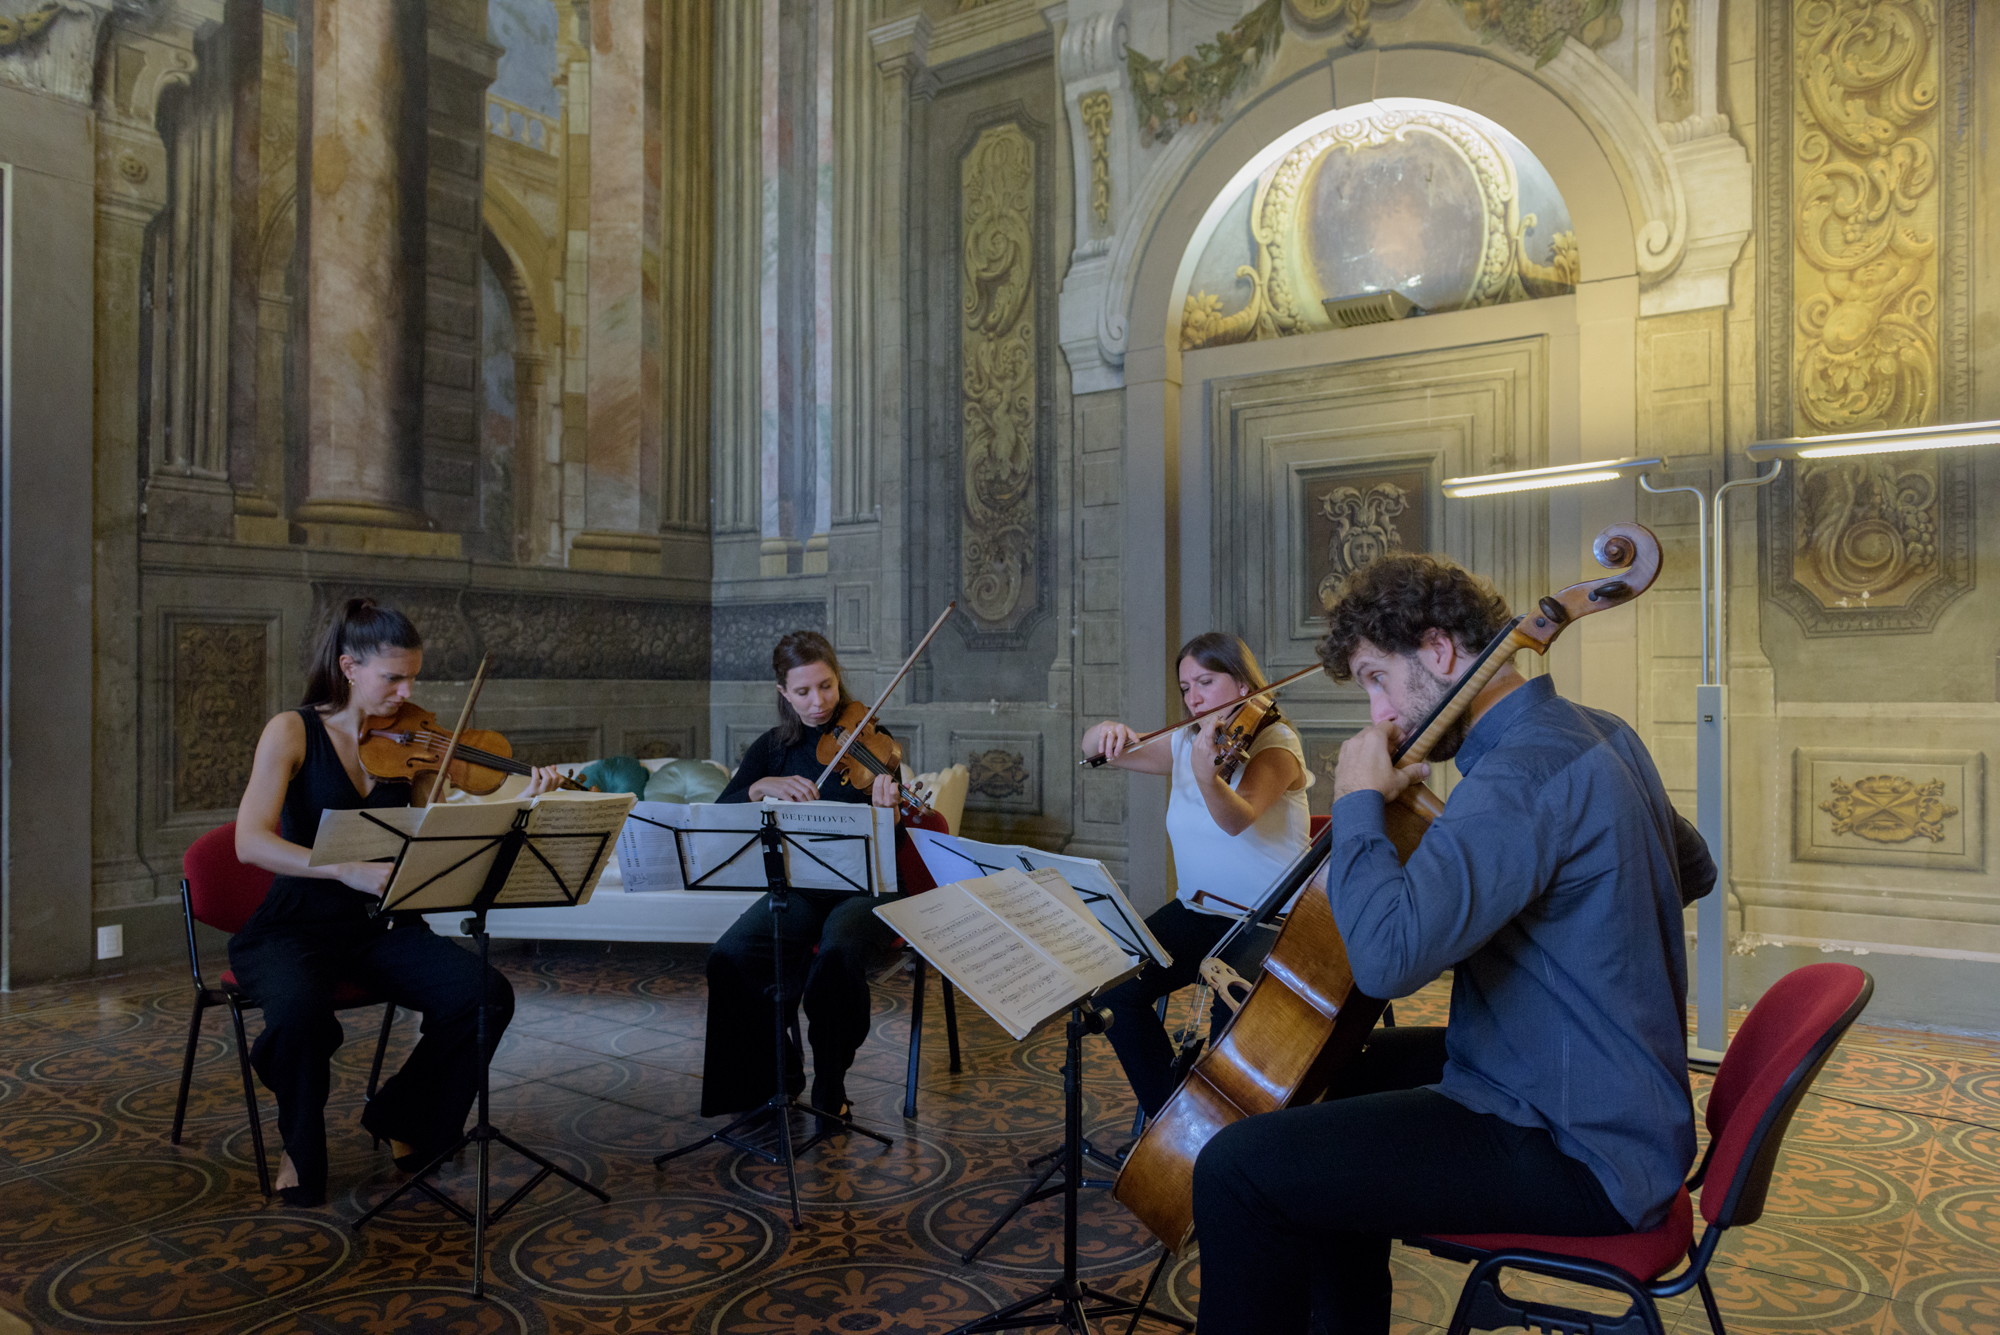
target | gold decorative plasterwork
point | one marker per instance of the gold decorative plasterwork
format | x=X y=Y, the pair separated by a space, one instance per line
x=20 y=30
x=1284 y=291
x=1889 y=808
x=997 y=348
x=1866 y=529
x=1538 y=28
x=1866 y=289
x=1095 y=109
x=1168 y=97
x=1676 y=30
x=1321 y=14
x=1865 y=214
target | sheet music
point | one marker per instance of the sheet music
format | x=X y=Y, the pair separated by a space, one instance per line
x=951 y=858
x=579 y=862
x=1064 y=933
x=1011 y=942
x=649 y=858
x=351 y=836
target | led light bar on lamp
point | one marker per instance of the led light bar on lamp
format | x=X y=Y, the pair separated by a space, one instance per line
x=1948 y=436
x=1532 y=479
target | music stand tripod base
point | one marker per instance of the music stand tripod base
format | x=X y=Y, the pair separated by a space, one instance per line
x=780 y=1105
x=1075 y=1302
x=483 y=1133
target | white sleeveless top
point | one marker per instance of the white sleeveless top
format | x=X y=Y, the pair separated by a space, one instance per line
x=1238 y=868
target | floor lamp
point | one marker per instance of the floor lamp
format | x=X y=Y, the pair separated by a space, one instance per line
x=1711 y=1037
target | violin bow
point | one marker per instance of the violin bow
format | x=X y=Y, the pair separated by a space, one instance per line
x=439 y=783
x=1100 y=758
x=883 y=698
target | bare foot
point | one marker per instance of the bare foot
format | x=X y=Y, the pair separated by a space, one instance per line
x=288 y=1173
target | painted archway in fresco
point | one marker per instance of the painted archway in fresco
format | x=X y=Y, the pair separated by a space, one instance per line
x=1401 y=195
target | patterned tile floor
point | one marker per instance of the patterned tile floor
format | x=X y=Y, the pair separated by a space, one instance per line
x=1884 y=1214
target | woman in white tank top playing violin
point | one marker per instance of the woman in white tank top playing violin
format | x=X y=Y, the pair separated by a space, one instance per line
x=1231 y=840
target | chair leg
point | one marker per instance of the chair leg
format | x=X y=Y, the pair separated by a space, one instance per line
x=1708 y=1301
x=916 y=1034
x=950 y=1022
x=1389 y=1015
x=187 y=1063
x=250 y=1100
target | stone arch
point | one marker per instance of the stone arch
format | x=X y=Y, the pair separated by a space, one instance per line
x=1627 y=209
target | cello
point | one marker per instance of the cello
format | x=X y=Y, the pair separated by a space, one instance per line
x=1304 y=1018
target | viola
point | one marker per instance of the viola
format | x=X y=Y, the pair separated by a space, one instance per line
x=1303 y=1018
x=409 y=744
x=872 y=753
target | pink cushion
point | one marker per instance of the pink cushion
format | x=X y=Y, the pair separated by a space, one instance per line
x=1644 y=1256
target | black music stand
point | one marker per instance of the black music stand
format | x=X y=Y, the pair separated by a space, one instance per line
x=773 y=842
x=507 y=849
x=1072 y=1299
x=941 y=856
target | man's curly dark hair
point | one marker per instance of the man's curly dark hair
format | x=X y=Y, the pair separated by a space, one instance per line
x=1394 y=599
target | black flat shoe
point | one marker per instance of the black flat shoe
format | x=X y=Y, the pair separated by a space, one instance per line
x=830 y=1096
x=303 y=1198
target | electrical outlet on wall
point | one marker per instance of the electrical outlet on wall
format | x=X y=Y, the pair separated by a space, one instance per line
x=110 y=941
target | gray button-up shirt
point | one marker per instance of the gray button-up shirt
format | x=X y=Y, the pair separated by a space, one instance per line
x=1554 y=882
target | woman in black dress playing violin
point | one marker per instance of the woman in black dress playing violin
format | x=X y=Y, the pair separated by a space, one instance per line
x=781 y=766
x=315 y=928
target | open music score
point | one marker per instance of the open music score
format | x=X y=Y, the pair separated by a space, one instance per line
x=844 y=846
x=1021 y=944
x=444 y=847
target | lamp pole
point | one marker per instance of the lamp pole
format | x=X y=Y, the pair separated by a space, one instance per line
x=1711 y=765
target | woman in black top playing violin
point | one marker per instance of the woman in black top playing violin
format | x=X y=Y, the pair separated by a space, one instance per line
x=781 y=766
x=315 y=928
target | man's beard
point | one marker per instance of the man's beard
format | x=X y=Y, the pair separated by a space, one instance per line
x=1425 y=690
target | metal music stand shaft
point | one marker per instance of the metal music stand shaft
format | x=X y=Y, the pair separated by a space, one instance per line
x=483 y=1132
x=781 y=1103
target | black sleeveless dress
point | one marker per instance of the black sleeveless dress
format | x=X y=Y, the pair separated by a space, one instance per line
x=299 y=904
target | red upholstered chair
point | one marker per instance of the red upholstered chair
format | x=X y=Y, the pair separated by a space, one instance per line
x=1783 y=1043
x=222 y=893
x=915 y=878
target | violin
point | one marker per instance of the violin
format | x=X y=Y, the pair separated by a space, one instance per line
x=408 y=744
x=1257 y=695
x=1232 y=739
x=872 y=753
x=1304 y=1018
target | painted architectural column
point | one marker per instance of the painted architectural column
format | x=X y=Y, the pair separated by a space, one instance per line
x=687 y=274
x=622 y=429
x=1091 y=60
x=735 y=428
x=360 y=156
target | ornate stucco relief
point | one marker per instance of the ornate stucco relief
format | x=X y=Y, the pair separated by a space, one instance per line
x=1195 y=86
x=1539 y=28
x=997 y=377
x=219 y=698
x=1898 y=808
x=1872 y=313
x=1095 y=108
x=1889 y=808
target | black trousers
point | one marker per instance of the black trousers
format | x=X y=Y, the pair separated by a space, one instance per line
x=1295 y=1209
x=291 y=975
x=832 y=981
x=1136 y=1033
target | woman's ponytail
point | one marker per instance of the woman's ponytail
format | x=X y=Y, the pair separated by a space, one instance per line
x=360 y=627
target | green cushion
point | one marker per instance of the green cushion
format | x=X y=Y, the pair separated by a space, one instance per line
x=686 y=781
x=616 y=774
